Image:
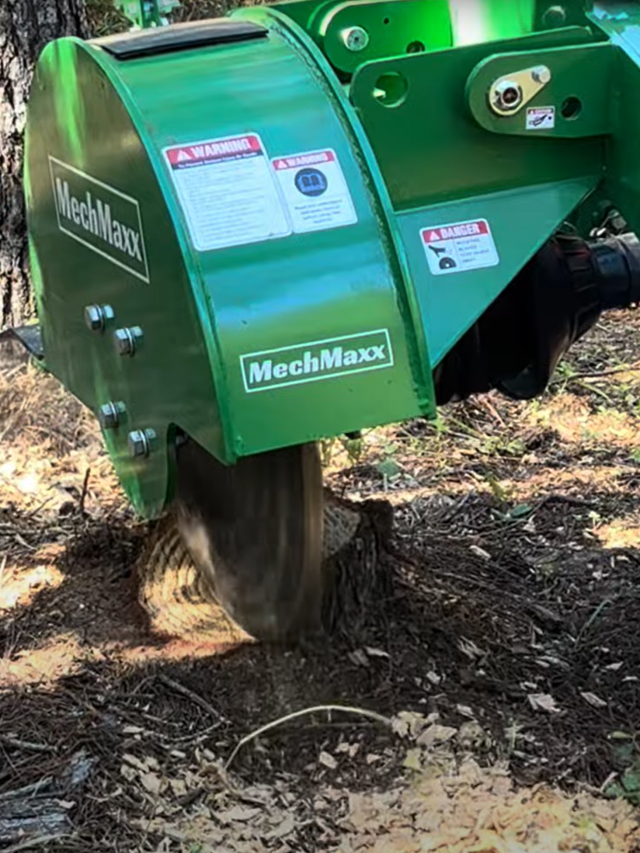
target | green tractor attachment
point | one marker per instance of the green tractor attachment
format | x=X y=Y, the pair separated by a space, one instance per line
x=313 y=217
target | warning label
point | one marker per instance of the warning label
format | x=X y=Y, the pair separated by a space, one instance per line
x=315 y=191
x=459 y=247
x=227 y=190
x=541 y=118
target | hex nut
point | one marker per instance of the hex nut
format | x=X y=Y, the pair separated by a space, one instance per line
x=555 y=16
x=541 y=74
x=109 y=414
x=355 y=38
x=97 y=316
x=141 y=442
x=126 y=340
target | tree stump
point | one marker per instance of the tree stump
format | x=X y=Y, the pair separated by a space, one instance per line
x=179 y=601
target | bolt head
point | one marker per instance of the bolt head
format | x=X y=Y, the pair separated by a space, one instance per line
x=126 y=340
x=109 y=415
x=138 y=444
x=123 y=341
x=555 y=16
x=96 y=316
x=141 y=442
x=541 y=74
x=355 y=38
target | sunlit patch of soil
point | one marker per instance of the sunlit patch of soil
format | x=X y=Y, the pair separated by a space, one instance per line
x=63 y=655
x=619 y=533
x=56 y=658
x=575 y=423
x=19 y=586
x=475 y=810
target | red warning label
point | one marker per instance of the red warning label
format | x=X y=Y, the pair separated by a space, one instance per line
x=300 y=160
x=234 y=148
x=315 y=190
x=228 y=191
x=459 y=247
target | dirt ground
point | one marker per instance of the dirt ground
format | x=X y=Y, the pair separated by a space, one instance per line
x=502 y=664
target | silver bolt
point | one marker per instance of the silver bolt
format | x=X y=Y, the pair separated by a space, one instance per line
x=355 y=38
x=126 y=340
x=555 y=16
x=96 y=316
x=140 y=442
x=541 y=74
x=507 y=96
x=109 y=414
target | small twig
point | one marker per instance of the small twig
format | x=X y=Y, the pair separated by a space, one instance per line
x=34 y=788
x=484 y=401
x=32 y=843
x=347 y=709
x=83 y=495
x=40 y=506
x=564 y=499
x=595 y=374
x=604 y=603
x=26 y=744
x=456 y=509
x=198 y=700
x=611 y=778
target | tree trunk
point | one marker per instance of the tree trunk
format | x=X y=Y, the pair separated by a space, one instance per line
x=25 y=27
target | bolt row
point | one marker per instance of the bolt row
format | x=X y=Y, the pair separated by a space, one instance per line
x=126 y=341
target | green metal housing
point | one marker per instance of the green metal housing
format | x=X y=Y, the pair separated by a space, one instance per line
x=261 y=210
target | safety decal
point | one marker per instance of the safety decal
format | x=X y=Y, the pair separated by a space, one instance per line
x=541 y=118
x=315 y=191
x=227 y=191
x=459 y=247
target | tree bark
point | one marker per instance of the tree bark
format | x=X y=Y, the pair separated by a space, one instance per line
x=25 y=27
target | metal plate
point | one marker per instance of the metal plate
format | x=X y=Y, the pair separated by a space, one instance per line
x=255 y=530
x=179 y=37
x=29 y=336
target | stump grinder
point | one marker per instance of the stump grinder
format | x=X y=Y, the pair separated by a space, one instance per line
x=305 y=219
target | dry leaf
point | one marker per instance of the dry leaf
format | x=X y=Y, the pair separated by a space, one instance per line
x=349 y=748
x=543 y=702
x=436 y=734
x=237 y=813
x=359 y=657
x=328 y=760
x=413 y=759
x=151 y=782
x=285 y=827
x=469 y=648
x=376 y=653
x=594 y=700
x=408 y=724
x=465 y=710
x=480 y=552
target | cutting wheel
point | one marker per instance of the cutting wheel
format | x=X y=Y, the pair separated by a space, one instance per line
x=254 y=530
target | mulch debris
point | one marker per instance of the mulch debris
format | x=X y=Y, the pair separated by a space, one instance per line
x=507 y=636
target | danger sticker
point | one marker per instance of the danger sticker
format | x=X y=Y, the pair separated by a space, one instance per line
x=227 y=191
x=459 y=247
x=541 y=118
x=315 y=191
